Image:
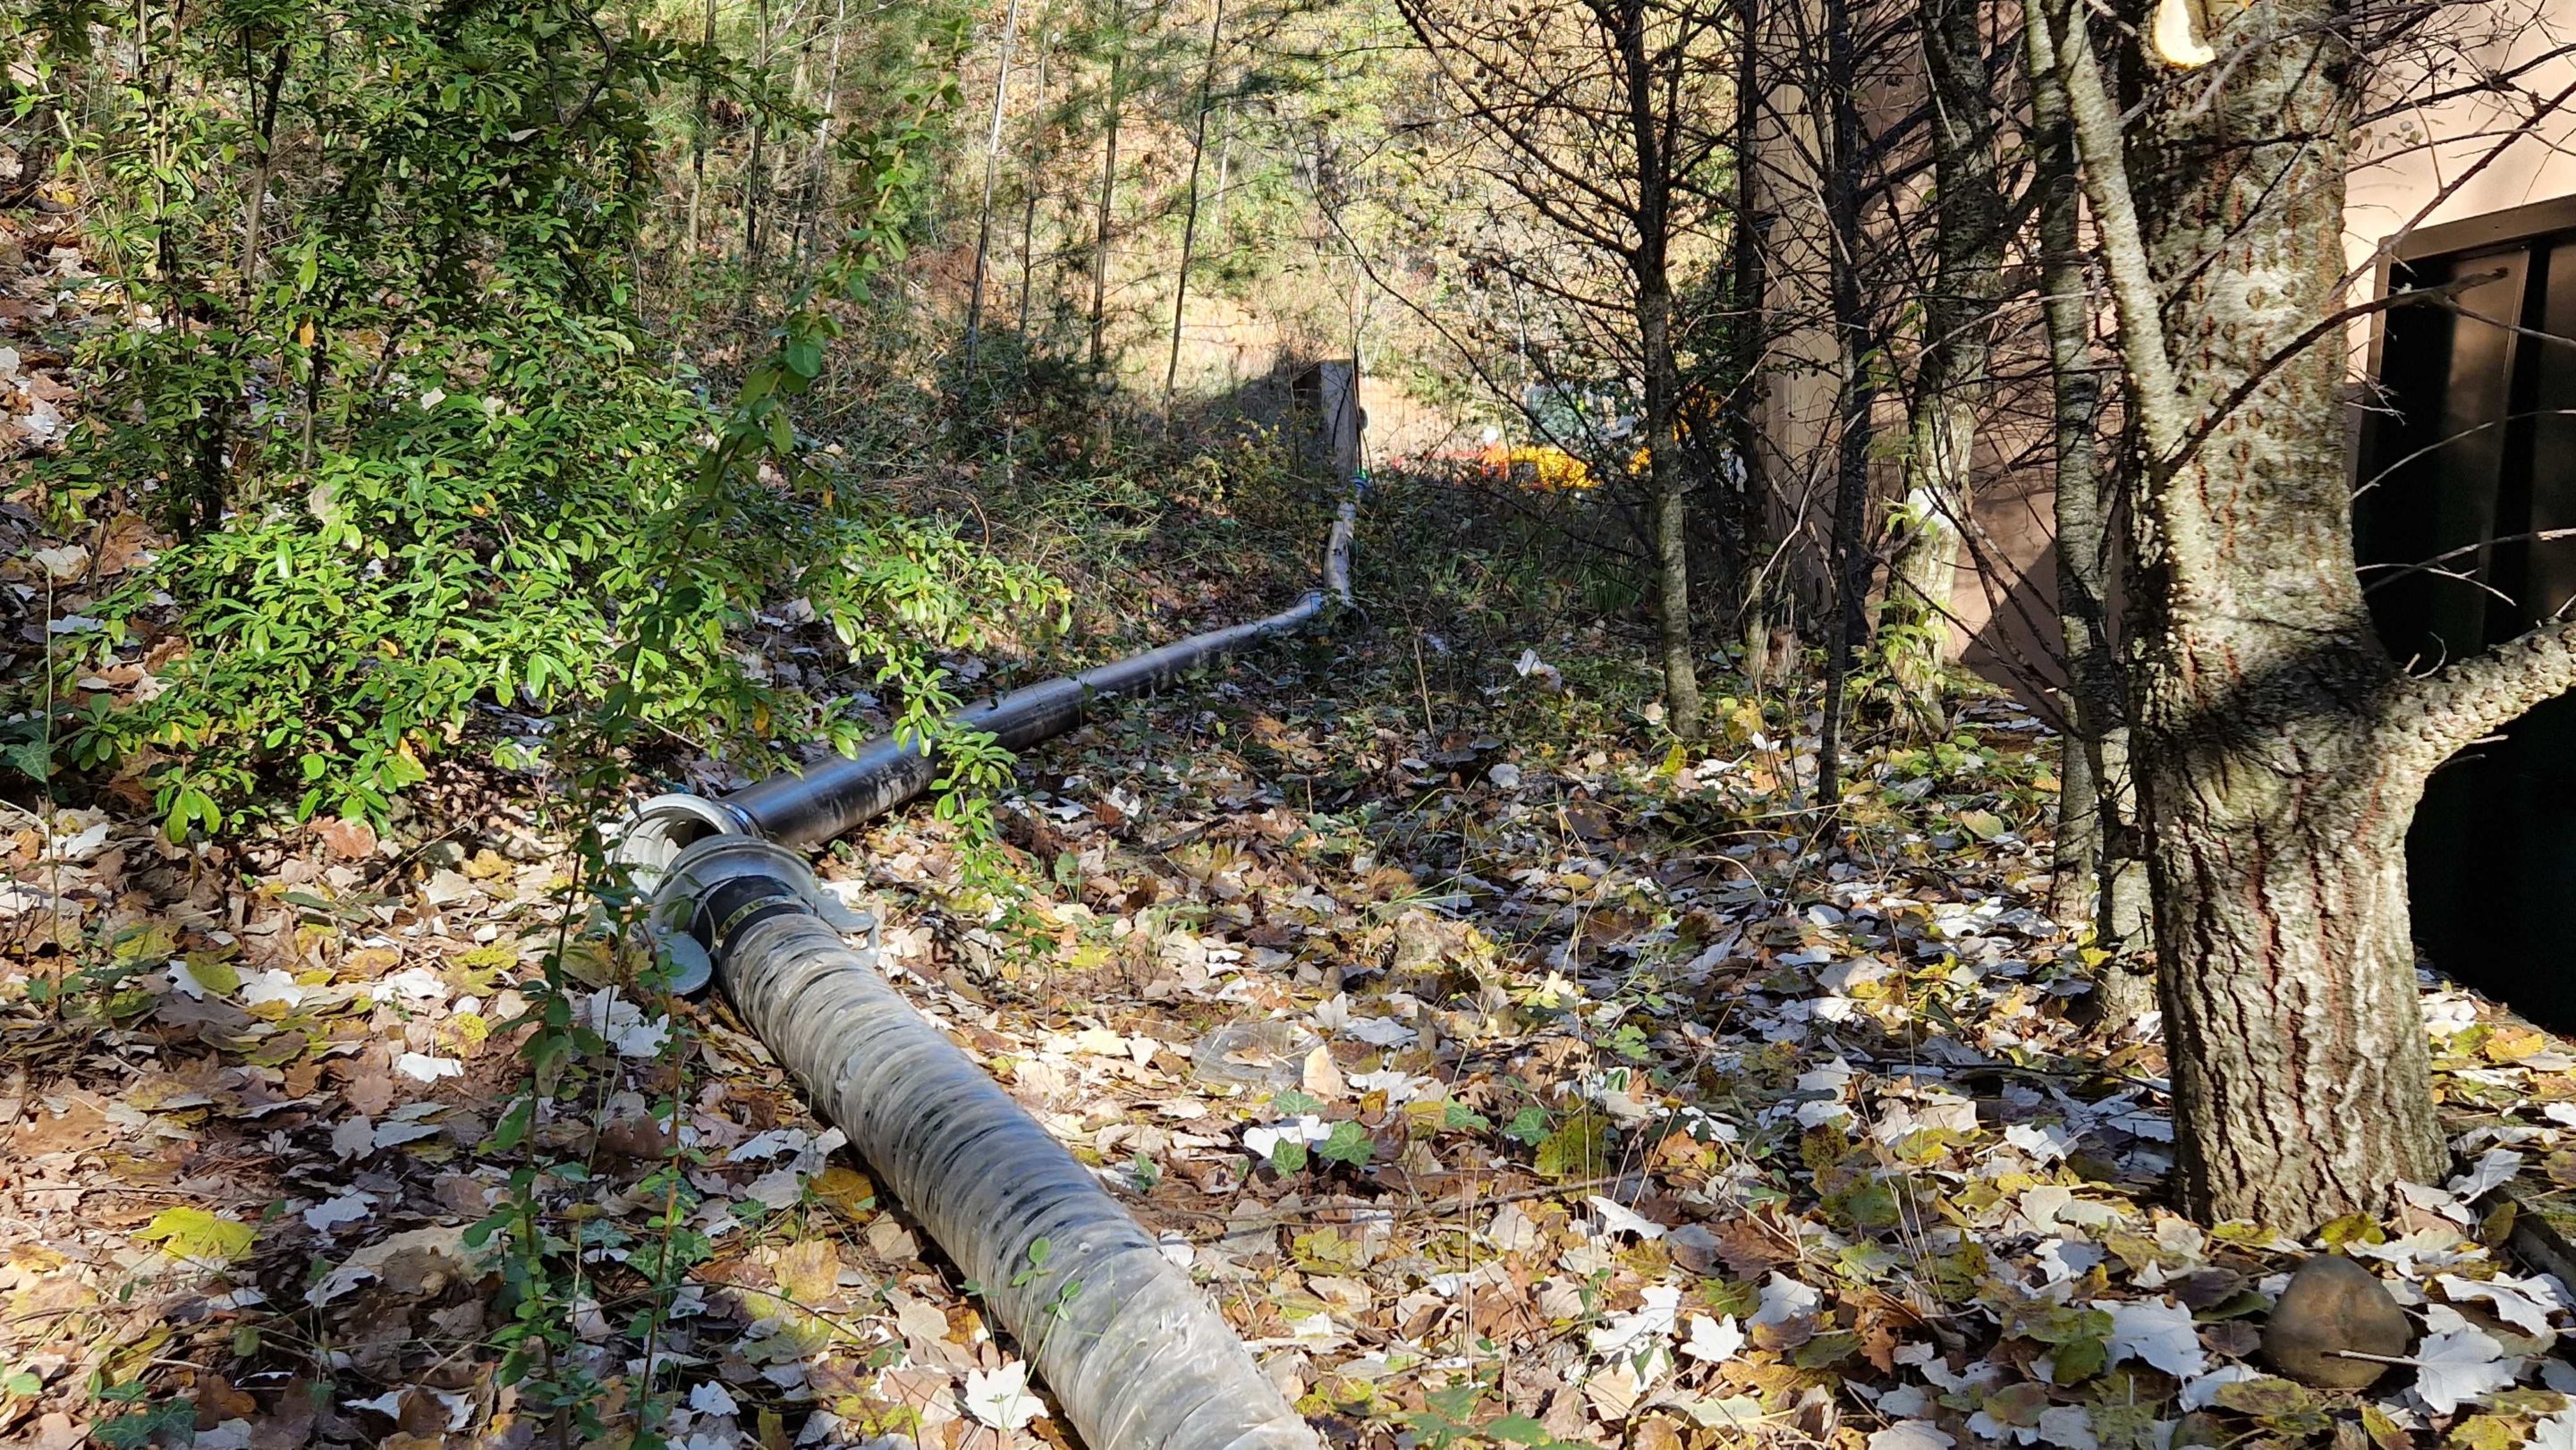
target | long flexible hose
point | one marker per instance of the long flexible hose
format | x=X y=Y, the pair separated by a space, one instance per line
x=1132 y=1350
x=1136 y=1355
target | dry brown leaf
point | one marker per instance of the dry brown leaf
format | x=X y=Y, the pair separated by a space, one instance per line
x=348 y=840
x=888 y=1239
x=809 y=1271
x=1322 y=1078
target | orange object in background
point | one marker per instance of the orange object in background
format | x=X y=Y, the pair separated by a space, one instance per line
x=1539 y=467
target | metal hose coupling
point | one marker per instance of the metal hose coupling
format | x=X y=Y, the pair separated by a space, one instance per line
x=718 y=887
x=655 y=833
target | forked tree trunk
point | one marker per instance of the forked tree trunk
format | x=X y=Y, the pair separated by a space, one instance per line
x=2280 y=835
x=263 y=167
x=2281 y=753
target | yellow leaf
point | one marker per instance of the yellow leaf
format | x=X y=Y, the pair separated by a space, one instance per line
x=1554 y=992
x=193 y=1233
x=1573 y=1151
x=214 y=974
x=846 y=1190
x=2513 y=1044
x=808 y=1272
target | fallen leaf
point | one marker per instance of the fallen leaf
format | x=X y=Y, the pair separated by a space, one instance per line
x=1713 y=1340
x=2160 y=1333
x=1000 y=1398
x=417 y=1263
x=1321 y=1077
x=328 y=1215
x=1911 y=1435
x=194 y=1234
x=421 y=1067
x=348 y=840
x=2459 y=1365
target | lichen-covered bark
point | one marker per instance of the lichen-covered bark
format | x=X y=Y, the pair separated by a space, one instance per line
x=2297 y=1045
x=2258 y=689
x=2430 y=719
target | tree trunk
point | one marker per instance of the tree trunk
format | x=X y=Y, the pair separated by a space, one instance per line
x=1941 y=437
x=1665 y=474
x=1190 y=219
x=1224 y=176
x=263 y=166
x=818 y=180
x=1951 y=384
x=1747 y=287
x=752 y=242
x=1672 y=500
x=1037 y=173
x=992 y=165
x=1850 y=561
x=1103 y=420
x=2275 y=804
x=2098 y=874
x=1108 y=199
x=698 y=140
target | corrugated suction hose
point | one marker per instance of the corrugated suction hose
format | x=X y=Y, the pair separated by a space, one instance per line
x=1136 y=1355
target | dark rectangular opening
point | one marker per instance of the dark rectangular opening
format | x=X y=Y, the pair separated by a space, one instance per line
x=2468 y=467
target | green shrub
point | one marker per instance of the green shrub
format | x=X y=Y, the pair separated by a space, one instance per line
x=494 y=534
x=420 y=472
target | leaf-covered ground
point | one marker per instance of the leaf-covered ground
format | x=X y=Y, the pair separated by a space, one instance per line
x=1497 y=1078
x=1502 y=1072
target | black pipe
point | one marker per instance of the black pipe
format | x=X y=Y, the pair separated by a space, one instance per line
x=827 y=800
